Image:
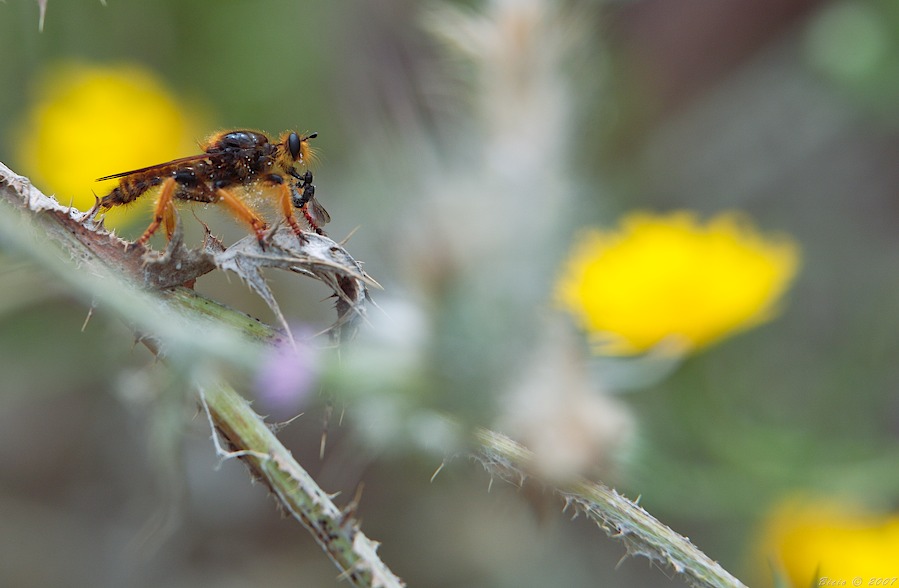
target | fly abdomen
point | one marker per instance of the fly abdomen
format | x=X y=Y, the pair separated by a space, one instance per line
x=129 y=190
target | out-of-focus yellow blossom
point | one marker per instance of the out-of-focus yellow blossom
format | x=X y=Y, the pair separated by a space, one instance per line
x=806 y=541
x=89 y=121
x=670 y=278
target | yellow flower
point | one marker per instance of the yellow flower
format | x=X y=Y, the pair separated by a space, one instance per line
x=669 y=278
x=90 y=121
x=806 y=540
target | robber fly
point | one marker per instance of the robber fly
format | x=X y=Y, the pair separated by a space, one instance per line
x=233 y=164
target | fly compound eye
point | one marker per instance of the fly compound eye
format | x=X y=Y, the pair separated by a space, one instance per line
x=293 y=143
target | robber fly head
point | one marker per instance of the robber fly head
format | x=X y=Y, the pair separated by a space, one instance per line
x=297 y=147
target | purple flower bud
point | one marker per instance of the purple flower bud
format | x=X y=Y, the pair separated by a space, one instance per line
x=286 y=377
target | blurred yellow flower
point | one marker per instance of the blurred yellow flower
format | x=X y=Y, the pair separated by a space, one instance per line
x=805 y=540
x=89 y=121
x=669 y=278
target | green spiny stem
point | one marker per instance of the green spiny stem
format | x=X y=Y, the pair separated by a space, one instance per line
x=336 y=531
x=619 y=517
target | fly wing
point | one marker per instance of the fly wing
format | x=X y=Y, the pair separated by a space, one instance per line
x=318 y=212
x=158 y=167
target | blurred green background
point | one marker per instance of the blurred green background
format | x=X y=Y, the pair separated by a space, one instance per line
x=785 y=109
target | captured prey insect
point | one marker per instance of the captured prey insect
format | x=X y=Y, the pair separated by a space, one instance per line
x=232 y=165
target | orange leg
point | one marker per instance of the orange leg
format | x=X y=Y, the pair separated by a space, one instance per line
x=243 y=212
x=286 y=201
x=163 y=210
x=169 y=220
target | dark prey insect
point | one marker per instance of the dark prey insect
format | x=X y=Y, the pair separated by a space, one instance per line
x=233 y=164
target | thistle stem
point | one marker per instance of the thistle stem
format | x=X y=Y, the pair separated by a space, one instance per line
x=619 y=517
